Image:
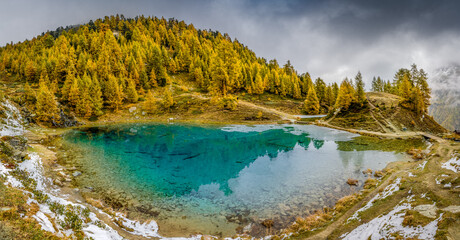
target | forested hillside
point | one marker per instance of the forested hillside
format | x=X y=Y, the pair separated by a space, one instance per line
x=101 y=65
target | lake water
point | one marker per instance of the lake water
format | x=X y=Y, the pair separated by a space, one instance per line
x=214 y=179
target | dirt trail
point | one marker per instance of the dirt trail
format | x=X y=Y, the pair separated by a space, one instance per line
x=374 y=134
x=283 y=115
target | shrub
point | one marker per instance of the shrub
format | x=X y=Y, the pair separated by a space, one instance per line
x=229 y=102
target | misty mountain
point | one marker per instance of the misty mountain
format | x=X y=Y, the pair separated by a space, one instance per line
x=445 y=102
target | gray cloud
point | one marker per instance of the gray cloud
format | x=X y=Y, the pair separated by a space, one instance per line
x=330 y=39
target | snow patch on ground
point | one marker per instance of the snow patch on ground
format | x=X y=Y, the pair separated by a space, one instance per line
x=385 y=226
x=147 y=229
x=5 y=172
x=11 y=125
x=44 y=221
x=34 y=167
x=453 y=164
x=422 y=165
x=389 y=190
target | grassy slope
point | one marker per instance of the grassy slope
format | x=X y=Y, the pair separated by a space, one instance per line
x=383 y=114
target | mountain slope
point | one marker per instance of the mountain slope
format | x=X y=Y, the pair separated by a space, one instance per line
x=445 y=103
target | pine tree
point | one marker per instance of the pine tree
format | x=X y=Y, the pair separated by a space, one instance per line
x=152 y=80
x=74 y=93
x=168 y=100
x=296 y=92
x=346 y=96
x=320 y=88
x=221 y=79
x=150 y=104
x=405 y=88
x=330 y=99
x=374 y=84
x=425 y=90
x=30 y=95
x=131 y=92
x=335 y=91
x=83 y=106
x=113 y=93
x=418 y=103
x=30 y=71
x=46 y=106
x=198 y=76
x=311 y=103
x=360 y=94
x=258 y=85
x=96 y=96
x=387 y=87
x=380 y=84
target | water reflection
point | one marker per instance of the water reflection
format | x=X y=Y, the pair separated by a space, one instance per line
x=195 y=175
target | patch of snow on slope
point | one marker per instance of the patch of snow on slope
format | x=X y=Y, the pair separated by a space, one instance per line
x=33 y=166
x=389 y=190
x=44 y=221
x=385 y=226
x=5 y=172
x=453 y=164
x=11 y=125
x=422 y=165
x=147 y=229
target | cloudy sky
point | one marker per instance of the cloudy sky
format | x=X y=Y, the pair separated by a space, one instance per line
x=331 y=39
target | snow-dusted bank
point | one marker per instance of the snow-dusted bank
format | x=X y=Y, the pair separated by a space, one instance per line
x=385 y=226
x=388 y=191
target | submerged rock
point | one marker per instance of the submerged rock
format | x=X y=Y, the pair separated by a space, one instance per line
x=352 y=182
x=76 y=174
x=268 y=223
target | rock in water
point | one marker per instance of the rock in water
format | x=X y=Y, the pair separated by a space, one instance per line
x=352 y=182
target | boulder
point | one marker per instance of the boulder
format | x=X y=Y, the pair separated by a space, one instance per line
x=352 y=182
x=427 y=210
x=132 y=109
x=453 y=209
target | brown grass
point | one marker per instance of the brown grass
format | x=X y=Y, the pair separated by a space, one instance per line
x=370 y=183
x=316 y=220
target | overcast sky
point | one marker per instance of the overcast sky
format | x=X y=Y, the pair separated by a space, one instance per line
x=331 y=39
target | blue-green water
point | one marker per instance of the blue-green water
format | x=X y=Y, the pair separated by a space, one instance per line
x=212 y=179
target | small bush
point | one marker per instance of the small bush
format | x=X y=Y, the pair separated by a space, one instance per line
x=228 y=102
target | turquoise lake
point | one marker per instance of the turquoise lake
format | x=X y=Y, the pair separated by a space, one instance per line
x=214 y=179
